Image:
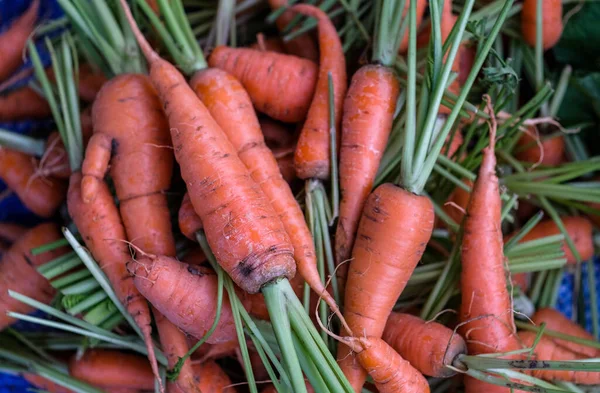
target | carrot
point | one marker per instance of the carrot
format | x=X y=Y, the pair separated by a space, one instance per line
x=212 y=378
x=11 y=232
x=276 y=134
x=230 y=106
x=390 y=372
x=268 y=77
x=552 y=25
x=454 y=144
x=100 y=226
x=40 y=195
x=13 y=40
x=547 y=349
x=23 y=103
x=208 y=352
x=578 y=228
x=285 y=162
x=44 y=384
x=559 y=323
x=189 y=222
x=191 y=304
x=421 y=6
x=90 y=82
x=550 y=153
x=458 y=200
x=194 y=257
x=382 y=264
x=485 y=306
x=312 y=157
x=437 y=348
x=368 y=114
x=302 y=46
x=273 y=44
x=241 y=227
x=102 y=367
x=18 y=271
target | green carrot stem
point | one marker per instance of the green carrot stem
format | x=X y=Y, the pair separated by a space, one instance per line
x=23 y=143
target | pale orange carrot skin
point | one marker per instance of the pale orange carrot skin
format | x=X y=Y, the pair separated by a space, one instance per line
x=557 y=322
x=366 y=124
x=191 y=304
x=269 y=77
x=552 y=24
x=42 y=196
x=546 y=349
x=18 y=271
x=23 y=103
x=302 y=46
x=428 y=346
x=313 y=150
x=13 y=40
x=112 y=368
x=382 y=264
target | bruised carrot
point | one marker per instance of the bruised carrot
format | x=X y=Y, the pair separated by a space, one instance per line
x=243 y=230
x=312 y=157
x=382 y=264
x=41 y=195
x=191 y=304
x=428 y=346
x=269 y=77
x=549 y=152
x=552 y=24
x=390 y=372
x=557 y=322
x=367 y=121
x=13 y=40
x=546 y=349
x=302 y=46
x=113 y=368
x=23 y=103
x=578 y=228
x=99 y=223
x=18 y=271
x=231 y=107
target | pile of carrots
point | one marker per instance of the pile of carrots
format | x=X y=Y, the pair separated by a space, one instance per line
x=352 y=201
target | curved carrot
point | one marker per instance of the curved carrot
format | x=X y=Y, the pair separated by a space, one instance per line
x=13 y=40
x=18 y=271
x=552 y=24
x=100 y=226
x=578 y=228
x=230 y=106
x=550 y=153
x=41 y=195
x=546 y=349
x=367 y=121
x=269 y=77
x=191 y=303
x=112 y=368
x=312 y=157
x=248 y=239
x=382 y=264
x=23 y=103
x=390 y=372
x=437 y=345
x=302 y=46
x=557 y=322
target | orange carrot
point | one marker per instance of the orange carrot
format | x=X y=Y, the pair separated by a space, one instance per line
x=11 y=232
x=90 y=82
x=45 y=384
x=113 y=368
x=242 y=229
x=547 y=349
x=552 y=25
x=578 y=228
x=271 y=389
x=23 y=103
x=390 y=372
x=368 y=114
x=421 y=6
x=437 y=348
x=285 y=162
x=230 y=106
x=454 y=144
x=485 y=305
x=268 y=77
x=550 y=153
x=302 y=46
x=40 y=195
x=212 y=378
x=189 y=222
x=457 y=202
x=382 y=264
x=100 y=226
x=276 y=134
x=313 y=150
x=559 y=323
x=13 y=40
x=18 y=271
x=272 y=44
x=191 y=304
